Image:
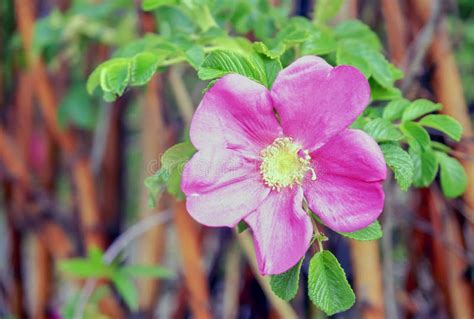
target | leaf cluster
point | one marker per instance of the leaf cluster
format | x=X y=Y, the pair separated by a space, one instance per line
x=93 y=266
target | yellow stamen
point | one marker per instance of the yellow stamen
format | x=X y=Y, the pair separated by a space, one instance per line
x=283 y=166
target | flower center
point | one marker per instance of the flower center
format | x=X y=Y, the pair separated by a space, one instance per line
x=285 y=164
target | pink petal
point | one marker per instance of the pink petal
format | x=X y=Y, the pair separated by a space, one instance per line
x=345 y=204
x=235 y=113
x=282 y=231
x=222 y=187
x=352 y=154
x=347 y=194
x=316 y=101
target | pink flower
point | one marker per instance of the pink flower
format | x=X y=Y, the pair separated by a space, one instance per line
x=256 y=166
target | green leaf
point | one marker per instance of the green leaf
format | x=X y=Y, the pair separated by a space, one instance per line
x=174 y=183
x=328 y=288
x=78 y=108
x=271 y=67
x=440 y=147
x=417 y=136
x=453 y=176
x=425 y=165
x=358 y=31
x=126 y=289
x=394 y=110
x=177 y=155
x=199 y=12
x=84 y=268
x=195 y=56
x=419 y=108
x=353 y=53
x=95 y=254
x=90 y=267
x=321 y=41
x=380 y=93
x=443 y=123
x=144 y=271
x=219 y=63
x=327 y=9
x=380 y=68
x=114 y=77
x=359 y=123
x=397 y=74
x=143 y=67
x=95 y=77
x=242 y=226
x=155 y=184
x=286 y=285
x=371 y=232
x=382 y=130
x=294 y=32
x=148 y=5
x=173 y=162
x=272 y=53
x=400 y=163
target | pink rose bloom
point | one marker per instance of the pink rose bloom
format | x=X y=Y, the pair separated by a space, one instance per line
x=261 y=153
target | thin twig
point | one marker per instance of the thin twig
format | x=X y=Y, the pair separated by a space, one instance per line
x=232 y=282
x=100 y=138
x=183 y=100
x=115 y=249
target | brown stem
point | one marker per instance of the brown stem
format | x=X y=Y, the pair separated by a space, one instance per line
x=396 y=30
x=153 y=141
x=89 y=212
x=192 y=262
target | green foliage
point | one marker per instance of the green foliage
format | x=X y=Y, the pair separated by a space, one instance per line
x=400 y=163
x=78 y=108
x=453 y=176
x=357 y=30
x=371 y=232
x=220 y=63
x=90 y=267
x=148 y=5
x=126 y=289
x=425 y=166
x=242 y=226
x=321 y=41
x=382 y=130
x=443 y=123
x=84 y=21
x=419 y=108
x=212 y=37
x=418 y=138
x=328 y=288
x=169 y=175
x=93 y=266
x=394 y=109
x=286 y=285
x=327 y=9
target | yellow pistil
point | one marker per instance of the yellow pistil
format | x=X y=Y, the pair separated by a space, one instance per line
x=283 y=166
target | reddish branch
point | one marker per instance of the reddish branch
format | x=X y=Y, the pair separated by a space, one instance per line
x=192 y=262
x=153 y=143
x=89 y=212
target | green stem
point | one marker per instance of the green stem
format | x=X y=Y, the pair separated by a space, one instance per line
x=182 y=59
x=320 y=237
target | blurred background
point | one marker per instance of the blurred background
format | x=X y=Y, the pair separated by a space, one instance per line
x=72 y=170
